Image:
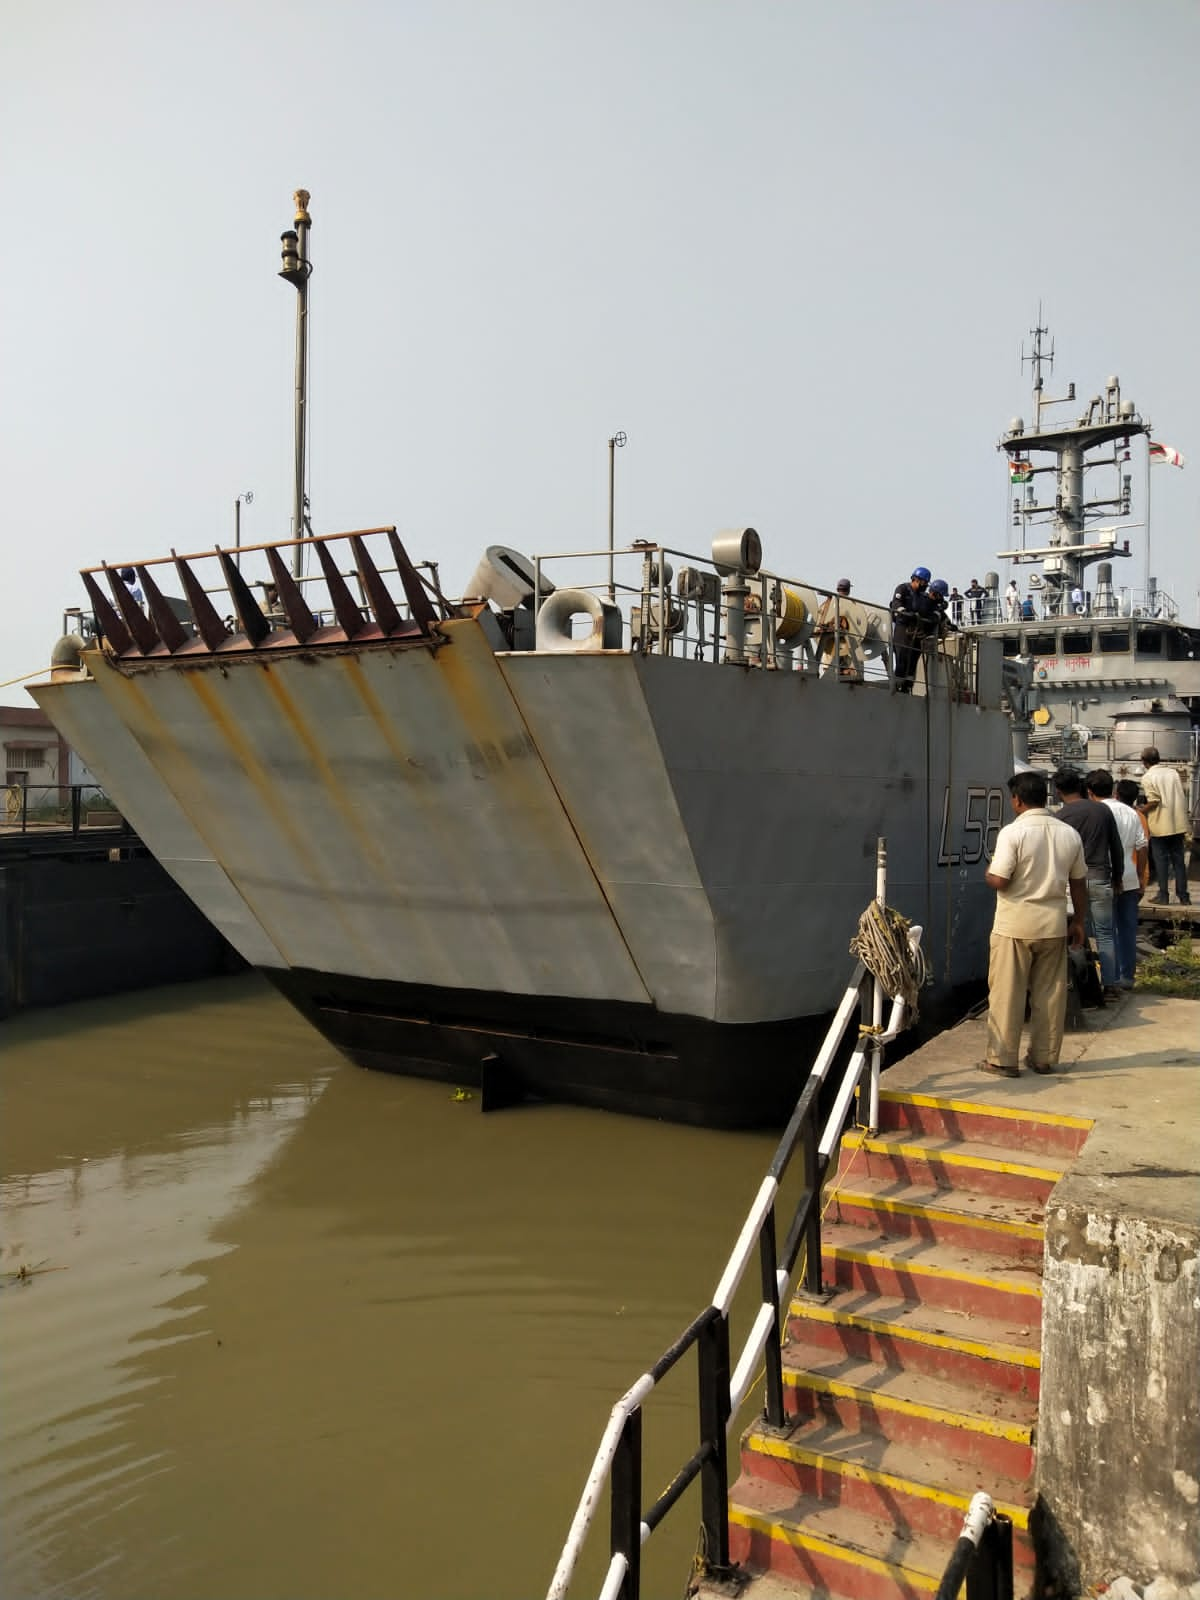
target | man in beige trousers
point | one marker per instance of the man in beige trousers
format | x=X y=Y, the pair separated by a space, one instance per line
x=1037 y=862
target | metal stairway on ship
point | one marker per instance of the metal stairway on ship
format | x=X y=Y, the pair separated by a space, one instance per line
x=915 y=1381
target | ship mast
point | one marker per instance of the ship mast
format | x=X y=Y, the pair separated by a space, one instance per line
x=1107 y=423
x=297 y=269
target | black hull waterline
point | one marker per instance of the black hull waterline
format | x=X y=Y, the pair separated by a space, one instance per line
x=612 y=1056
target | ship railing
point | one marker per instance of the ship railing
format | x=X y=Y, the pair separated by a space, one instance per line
x=723 y=1383
x=30 y=807
x=662 y=600
x=673 y=602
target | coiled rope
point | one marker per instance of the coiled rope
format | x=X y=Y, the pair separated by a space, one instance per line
x=881 y=944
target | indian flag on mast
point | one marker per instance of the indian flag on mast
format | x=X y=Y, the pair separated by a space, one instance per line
x=1020 y=471
x=1163 y=455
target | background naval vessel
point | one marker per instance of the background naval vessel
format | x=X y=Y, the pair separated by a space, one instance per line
x=1112 y=667
x=600 y=829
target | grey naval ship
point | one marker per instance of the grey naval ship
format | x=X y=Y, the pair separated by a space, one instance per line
x=1108 y=667
x=599 y=829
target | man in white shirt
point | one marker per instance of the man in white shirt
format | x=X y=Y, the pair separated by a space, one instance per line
x=1131 y=831
x=1167 y=819
x=1037 y=861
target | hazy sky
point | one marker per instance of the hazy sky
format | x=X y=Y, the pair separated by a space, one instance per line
x=790 y=248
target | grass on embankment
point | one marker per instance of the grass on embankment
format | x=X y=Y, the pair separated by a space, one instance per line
x=1174 y=970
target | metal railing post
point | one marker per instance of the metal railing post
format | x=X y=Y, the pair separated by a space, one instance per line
x=713 y=1360
x=772 y=1353
x=812 y=1226
x=990 y=1575
x=76 y=807
x=625 y=1496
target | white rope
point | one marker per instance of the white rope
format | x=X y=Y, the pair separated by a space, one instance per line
x=883 y=946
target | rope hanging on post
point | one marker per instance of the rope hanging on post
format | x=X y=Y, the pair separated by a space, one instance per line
x=881 y=944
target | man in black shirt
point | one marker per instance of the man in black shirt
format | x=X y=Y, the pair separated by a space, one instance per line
x=914 y=619
x=1105 y=859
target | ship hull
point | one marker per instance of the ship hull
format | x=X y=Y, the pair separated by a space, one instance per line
x=620 y=880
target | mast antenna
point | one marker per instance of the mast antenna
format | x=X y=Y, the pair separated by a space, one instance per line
x=296 y=270
x=1038 y=358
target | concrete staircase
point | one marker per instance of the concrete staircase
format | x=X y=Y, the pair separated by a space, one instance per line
x=916 y=1382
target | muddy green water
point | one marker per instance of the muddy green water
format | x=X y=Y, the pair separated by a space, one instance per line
x=301 y=1330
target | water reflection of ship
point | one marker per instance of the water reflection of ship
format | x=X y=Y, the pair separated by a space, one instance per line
x=1113 y=667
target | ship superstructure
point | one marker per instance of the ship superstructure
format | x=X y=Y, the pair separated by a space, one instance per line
x=1111 y=665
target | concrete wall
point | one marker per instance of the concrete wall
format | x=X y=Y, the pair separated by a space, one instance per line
x=1119 y=1424
x=75 y=929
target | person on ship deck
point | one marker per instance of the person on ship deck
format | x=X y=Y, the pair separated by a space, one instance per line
x=914 y=619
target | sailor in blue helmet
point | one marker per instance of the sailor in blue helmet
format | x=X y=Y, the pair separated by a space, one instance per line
x=129 y=578
x=914 y=619
x=939 y=593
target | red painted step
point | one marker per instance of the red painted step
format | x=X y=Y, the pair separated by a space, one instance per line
x=1001 y=1225
x=918 y=1489
x=928 y=1159
x=941 y=1275
x=991 y=1432
x=833 y=1550
x=980 y=1352
x=1012 y=1127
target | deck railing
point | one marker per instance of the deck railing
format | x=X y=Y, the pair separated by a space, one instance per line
x=722 y=1383
x=658 y=600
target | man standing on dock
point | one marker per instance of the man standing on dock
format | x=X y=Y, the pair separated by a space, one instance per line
x=1097 y=827
x=1036 y=862
x=1166 y=818
x=1132 y=832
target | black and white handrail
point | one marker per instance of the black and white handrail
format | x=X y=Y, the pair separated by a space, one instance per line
x=618 y=1459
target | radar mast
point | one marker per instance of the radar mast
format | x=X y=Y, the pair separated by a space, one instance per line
x=1101 y=437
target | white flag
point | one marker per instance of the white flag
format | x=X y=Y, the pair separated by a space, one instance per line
x=1162 y=454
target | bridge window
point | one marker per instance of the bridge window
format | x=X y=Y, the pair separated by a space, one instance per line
x=1042 y=644
x=1077 y=644
x=1113 y=641
x=1149 y=642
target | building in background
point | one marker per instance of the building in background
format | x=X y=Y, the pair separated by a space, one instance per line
x=35 y=756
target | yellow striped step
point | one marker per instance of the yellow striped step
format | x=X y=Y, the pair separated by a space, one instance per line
x=964 y=1279
x=920 y=1490
x=991 y=1430
x=1007 y=1225
x=933 y=1160
x=981 y=1352
x=1018 y=1124
x=830 y=1548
